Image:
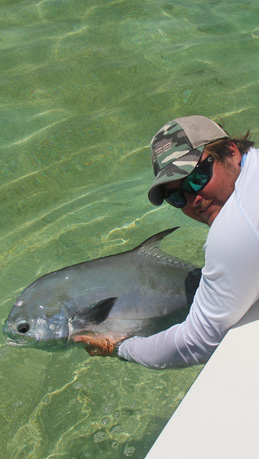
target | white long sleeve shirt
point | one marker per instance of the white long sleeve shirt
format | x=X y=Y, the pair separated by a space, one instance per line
x=229 y=283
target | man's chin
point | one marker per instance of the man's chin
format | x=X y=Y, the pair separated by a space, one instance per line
x=210 y=213
x=212 y=217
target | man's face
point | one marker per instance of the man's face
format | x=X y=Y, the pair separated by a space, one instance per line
x=205 y=206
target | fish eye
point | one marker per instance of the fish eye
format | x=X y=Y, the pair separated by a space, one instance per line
x=24 y=327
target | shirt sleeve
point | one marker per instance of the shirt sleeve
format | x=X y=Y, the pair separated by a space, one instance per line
x=228 y=288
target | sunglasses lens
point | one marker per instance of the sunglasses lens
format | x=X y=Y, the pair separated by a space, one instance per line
x=193 y=183
x=196 y=182
x=176 y=199
x=199 y=177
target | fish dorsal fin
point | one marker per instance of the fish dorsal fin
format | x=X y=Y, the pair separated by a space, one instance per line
x=95 y=313
x=151 y=245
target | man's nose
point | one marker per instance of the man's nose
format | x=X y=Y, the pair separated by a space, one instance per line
x=193 y=199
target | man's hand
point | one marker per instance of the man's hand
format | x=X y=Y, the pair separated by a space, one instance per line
x=98 y=344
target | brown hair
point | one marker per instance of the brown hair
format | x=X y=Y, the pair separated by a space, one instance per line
x=220 y=149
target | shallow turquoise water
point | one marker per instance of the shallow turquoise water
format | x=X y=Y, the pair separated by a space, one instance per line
x=84 y=86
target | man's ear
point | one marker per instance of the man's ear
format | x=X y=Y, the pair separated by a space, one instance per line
x=235 y=152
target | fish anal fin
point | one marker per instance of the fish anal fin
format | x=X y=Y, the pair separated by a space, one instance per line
x=95 y=313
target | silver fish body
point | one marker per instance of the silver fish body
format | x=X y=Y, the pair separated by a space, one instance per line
x=120 y=295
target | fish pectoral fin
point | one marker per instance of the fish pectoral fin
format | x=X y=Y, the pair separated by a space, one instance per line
x=94 y=314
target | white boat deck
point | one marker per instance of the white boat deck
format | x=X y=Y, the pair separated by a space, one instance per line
x=219 y=416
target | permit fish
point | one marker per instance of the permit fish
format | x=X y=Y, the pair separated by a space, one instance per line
x=126 y=294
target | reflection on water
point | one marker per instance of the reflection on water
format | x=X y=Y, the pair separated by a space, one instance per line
x=73 y=406
x=84 y=86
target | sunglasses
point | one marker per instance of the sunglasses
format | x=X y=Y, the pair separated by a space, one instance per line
x=193 y=183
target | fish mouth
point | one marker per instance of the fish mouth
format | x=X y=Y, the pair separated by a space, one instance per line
x=17 y=342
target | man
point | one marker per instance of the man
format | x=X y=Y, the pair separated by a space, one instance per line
x=214 y=180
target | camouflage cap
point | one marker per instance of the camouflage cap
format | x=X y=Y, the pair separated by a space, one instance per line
x=177 y=148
